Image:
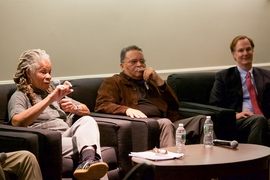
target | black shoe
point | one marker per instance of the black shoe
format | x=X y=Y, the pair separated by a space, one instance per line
x=91 y=169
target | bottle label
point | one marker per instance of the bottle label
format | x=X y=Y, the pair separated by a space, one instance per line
x=184 y=137
x=208 y=128
x=181 y=136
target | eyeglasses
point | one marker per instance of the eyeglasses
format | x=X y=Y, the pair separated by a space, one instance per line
x=135 y=61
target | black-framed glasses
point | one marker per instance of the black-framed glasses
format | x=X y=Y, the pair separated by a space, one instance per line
x=135 y=61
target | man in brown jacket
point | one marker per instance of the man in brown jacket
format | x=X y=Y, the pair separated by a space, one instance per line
x=139 y=92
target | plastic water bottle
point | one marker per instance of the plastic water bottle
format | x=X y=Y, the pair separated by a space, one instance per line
x=180 y=139
x=208 y=132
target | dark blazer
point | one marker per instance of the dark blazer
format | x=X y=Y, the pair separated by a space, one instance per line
x=227 y=89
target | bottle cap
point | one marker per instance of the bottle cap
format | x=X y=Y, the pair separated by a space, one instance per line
x=208 y=117
x=181 y=124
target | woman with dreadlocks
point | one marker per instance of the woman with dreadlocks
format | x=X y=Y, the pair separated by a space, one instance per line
x=36 y=104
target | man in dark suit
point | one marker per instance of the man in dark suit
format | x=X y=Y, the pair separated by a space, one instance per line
x=231 y=90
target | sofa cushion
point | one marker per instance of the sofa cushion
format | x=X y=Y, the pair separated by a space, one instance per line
x=85 y=90
x=193 y=91
x=6 y=91
x=192 y=87
x=109 y=156
x=116 y=134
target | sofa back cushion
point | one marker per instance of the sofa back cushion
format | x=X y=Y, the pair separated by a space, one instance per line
x=6 y=90
x=85 y=90
x=192 y=87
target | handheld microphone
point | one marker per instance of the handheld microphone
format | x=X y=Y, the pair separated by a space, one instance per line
x=3 y=157
x=56 y=82
x=232 y=144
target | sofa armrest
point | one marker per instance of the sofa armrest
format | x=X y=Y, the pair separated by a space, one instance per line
x=145 y=132
x=47 y=146
x=224 y=119
x=15 y=141
x=117 y=134
x=188 y=112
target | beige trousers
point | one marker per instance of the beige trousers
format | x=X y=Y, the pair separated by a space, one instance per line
x=167 y=132
x=22 y=164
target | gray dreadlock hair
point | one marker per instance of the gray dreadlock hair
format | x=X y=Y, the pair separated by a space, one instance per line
x=28 y=61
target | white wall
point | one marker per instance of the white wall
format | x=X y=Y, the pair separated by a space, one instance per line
x=84 y=37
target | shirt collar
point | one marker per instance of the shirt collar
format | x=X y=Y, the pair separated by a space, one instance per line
x=243 y=73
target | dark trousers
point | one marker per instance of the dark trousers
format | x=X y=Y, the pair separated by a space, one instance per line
x=253 y=129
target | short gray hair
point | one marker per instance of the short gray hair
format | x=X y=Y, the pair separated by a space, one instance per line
x=126 y=49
